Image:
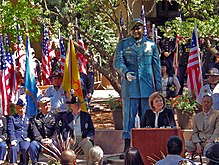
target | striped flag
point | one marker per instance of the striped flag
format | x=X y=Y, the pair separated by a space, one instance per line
x=11 y=69
x=82 y=59
x=71 y=78
x=46 y=56
x=4 y=80
x=142 y=16
x=30 y=82
x=63 y=55
x=193 y=68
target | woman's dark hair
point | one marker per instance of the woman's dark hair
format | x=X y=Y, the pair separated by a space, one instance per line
x=133 y=157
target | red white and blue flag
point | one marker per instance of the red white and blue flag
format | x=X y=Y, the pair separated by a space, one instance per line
x=46 y=57
x=194 y=81
x=4 y=80
x=81 y=58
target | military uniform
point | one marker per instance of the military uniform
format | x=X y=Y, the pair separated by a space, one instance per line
x=183 y=56
x=43 y=126
x=3 y=137
x=18 y=130
x=168 y=45
x=142 y=58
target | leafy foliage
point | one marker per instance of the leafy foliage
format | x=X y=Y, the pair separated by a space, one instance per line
x=114 y=103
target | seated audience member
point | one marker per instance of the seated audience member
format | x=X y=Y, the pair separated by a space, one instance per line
x=18 y=133
x=174 y=149
x=158 y=116
x=205 y=128
x=213 y=154
x=211 y=88
x=68 y=157
x=96 y=155
x=43 y=129
x=79 y=125
x=133 y=157
x=3 y=138
x=170 y=83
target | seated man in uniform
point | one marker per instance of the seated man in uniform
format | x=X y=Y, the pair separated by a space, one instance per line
x=43 y=128
x=205 y=128
x=79 y=125
x=3 y=138
x=18 y=133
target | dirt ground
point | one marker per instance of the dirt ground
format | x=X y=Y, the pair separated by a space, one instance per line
x=102 y=117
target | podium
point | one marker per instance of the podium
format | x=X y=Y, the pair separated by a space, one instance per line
x=152 y=142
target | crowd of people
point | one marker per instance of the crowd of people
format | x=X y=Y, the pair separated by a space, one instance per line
x=148 y=79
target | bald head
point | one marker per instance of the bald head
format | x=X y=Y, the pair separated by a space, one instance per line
x=68 y=157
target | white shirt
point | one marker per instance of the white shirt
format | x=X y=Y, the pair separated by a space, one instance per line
x=58 y=98
x=206 y=90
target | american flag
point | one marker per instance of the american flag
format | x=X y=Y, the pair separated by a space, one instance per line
x=82 y=60
x=193 y=68
x=63 y=54
x=47 y=49
x=142 y=16
x=4 y=80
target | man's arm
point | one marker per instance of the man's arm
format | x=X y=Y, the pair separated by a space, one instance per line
x=215 y=134
x=119 y=62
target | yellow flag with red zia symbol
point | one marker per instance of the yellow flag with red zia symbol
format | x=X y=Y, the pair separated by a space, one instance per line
x=71 y=78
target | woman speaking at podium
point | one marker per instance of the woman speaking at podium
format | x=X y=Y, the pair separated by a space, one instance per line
x=158 y=116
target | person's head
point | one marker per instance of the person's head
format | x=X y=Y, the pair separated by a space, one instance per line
x=174 y=145
x=164 y=68
x=207 y=102
x=156 y=101
x=213 y=76
x=56 y=78
x=136 y=27
x=133 y=157
x=75 y=104
x=212 y=154
x=45 y=105
x=68 y=157
x=20 y=107
x=96 y=155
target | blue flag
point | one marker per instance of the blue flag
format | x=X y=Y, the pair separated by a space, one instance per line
x=30 y=82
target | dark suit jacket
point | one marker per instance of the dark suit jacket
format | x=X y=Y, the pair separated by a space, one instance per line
x=44 y=126
x=3 y=128
x=87 y=127
x=166 y=118
x=18 y=129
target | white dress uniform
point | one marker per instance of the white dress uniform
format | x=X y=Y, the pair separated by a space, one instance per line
x=206 y=90
x=58 y=99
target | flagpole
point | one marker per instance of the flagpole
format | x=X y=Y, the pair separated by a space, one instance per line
x=199 y=60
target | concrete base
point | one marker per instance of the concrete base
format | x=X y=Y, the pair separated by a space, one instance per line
x=109 y=140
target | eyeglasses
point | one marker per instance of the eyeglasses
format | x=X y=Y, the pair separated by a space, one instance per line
x=137 y=27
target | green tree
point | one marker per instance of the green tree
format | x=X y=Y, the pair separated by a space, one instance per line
x=98 y=22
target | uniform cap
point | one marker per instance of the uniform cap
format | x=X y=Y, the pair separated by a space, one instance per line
x=213 y=72
x=44 y=100
x=20 y=102
x=56 y=74
x=74 y=100
x=134 y=22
